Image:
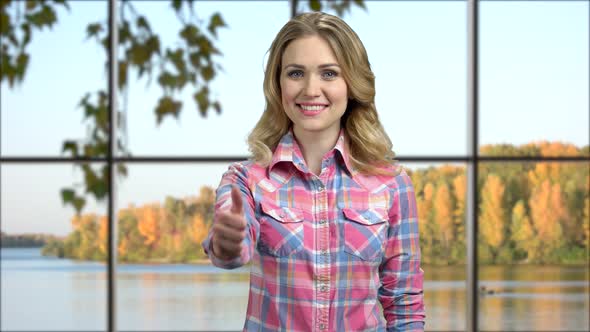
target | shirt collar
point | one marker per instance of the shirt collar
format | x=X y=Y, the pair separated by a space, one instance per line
x=288 y=151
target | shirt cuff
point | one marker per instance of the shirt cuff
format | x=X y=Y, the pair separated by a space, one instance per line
x=222 y=263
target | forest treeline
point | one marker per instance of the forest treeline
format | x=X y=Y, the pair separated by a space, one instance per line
x=535 y=213
x=25 y=240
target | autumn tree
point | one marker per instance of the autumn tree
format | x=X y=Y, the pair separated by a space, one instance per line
x=492 y=220
x=522 y=234
x=198 y=230
x=443 y=216
x=427 y=228
x=547 y=210
x=459 y=191
x=148 y=220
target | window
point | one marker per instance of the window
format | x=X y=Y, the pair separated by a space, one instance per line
x=506 y=179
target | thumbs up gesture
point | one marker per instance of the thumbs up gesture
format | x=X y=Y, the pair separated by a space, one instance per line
x=229 y=229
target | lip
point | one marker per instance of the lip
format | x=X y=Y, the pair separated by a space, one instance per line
x=312 y=104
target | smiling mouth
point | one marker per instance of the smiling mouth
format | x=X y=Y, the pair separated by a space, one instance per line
x=310 y=110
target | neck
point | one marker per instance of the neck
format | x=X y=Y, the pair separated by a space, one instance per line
x=314 y=145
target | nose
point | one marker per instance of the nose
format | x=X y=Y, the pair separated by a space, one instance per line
x=312 y=87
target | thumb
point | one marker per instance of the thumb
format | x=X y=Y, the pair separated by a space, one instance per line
x=236 y=198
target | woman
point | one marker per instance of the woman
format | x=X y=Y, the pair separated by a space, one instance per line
x=325 y=216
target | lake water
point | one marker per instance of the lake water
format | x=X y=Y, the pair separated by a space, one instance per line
x=44 y=293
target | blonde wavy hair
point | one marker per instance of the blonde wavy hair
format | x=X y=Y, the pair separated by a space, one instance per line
x=370 y=149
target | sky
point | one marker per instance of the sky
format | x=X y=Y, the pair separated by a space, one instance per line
x=533 y=86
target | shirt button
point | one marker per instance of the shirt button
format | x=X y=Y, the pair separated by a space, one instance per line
x=322 y=221
x=322 y=326
x=324 y=252
x=321 y=188
x=324 y=288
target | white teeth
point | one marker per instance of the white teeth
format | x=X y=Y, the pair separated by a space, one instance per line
x=312 y=108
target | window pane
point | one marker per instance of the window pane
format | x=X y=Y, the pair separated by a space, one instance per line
x=164 y=280
x=420 y=69
x=424 y=55
x=42 y=112
x=534 y=73
x=440 y=196
x=533 y=246
x=58 y=283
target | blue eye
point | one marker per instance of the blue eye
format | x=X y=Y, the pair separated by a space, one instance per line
x=295 y=74
x=330 y=74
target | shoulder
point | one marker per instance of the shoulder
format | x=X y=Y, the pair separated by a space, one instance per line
x=392 y=177
x=247 y=171
x=400 y=180
x=244 y=167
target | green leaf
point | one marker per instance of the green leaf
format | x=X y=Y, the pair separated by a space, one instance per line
x=78 y=203
x=31 y=4
x=26 y=28
x=195 y=59
x=125 y=33
x=22 y=61
x=99 y=188
x=208 y=73
x=176 y=4
x=63 y=3
x=315 y=5
x=72 y=146
x=176 y=58
x=67 y=195
x=217 y=106
x=360 y=3
x=122 y=73
x=202 y=99
x=5 y=25
x=190 y=33
x=153 y=44
x=88 y=150
x=93 y=30
x=215 y=22
x=167 y=106
x=121 y=169
x=139 y=54
x=167 y=80
x=143 y=23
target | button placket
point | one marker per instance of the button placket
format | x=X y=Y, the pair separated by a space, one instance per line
x=323 y=245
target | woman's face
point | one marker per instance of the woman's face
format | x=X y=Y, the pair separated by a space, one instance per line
x=313 y=91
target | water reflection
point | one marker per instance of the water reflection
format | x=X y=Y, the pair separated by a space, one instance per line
x=72 y=296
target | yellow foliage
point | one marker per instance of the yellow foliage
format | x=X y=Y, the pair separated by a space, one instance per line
x=103 y=234
x=122 y=247
x=491 y=222
x=443 y=213
x=148 y=224
x=547 y=210
x=198 y=229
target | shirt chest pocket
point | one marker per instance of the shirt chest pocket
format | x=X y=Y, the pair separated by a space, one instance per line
x=281 y=230
x=365 y=232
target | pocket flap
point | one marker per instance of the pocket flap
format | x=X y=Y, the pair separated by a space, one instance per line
x=366 y=217
x=282 y=214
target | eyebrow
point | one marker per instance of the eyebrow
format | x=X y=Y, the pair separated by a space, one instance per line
x=294 y=65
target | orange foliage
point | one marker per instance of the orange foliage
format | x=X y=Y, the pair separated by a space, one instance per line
x=103 y=233
x=122 y=247
x=198 y=229
x=491 y=222
x=443 y=213
x=148 y=224
x=547 y=210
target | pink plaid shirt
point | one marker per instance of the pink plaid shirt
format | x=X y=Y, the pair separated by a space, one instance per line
x=334 y=252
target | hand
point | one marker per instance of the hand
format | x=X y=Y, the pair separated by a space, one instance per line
x=229 y=229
